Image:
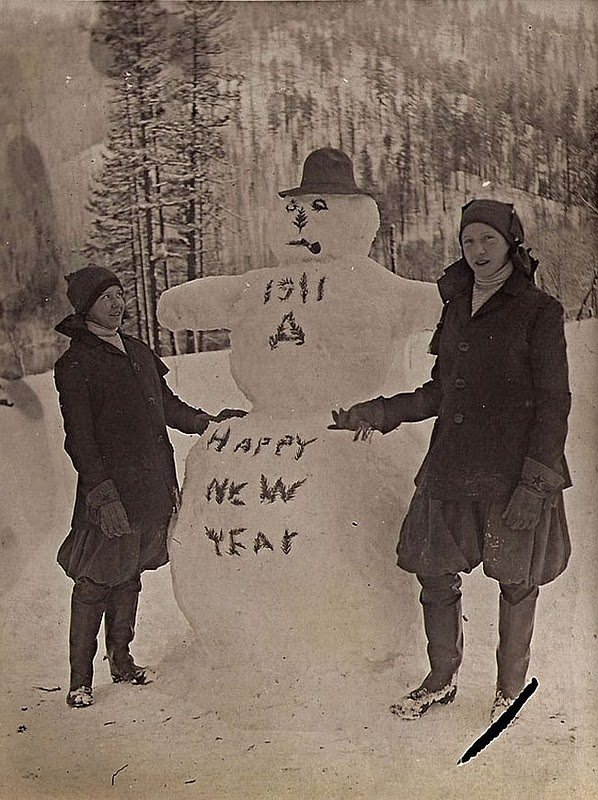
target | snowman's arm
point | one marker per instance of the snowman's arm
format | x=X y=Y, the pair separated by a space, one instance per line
x=203 y=304
x=419 y=304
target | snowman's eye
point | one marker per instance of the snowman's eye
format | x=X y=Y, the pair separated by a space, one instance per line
x=319 y=204
x=292 y=206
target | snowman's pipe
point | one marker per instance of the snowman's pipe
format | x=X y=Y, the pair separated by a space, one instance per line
x=313 y=247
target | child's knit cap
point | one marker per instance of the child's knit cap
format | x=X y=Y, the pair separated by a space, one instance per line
x=87 y=284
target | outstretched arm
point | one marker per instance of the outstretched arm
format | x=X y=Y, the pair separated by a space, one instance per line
x=201 y=305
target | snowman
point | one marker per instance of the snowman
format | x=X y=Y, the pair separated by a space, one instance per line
x=283 y=551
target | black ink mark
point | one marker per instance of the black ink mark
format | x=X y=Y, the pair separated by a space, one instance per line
x=117 y=771
x=268 y=291
x=507 y=716
x=44 y=689
x=321 y=283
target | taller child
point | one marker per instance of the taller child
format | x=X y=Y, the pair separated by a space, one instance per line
x=490 y=487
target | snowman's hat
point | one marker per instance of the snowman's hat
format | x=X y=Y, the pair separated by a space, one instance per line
x=326 y=171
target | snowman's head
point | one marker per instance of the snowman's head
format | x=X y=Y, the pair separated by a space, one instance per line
x=320 y=227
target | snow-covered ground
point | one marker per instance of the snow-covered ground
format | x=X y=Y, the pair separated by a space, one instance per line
x=195 y=734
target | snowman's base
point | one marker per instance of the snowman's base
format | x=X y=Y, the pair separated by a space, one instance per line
x=290 y=697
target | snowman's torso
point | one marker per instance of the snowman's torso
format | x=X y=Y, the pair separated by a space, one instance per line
x=311 y=336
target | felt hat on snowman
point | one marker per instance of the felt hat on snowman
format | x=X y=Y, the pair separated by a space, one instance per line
x=326 y=171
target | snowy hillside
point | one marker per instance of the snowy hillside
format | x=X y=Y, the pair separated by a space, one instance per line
x=195 y=735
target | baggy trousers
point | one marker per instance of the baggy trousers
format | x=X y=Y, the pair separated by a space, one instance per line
x=89 y=603
x=441 y=601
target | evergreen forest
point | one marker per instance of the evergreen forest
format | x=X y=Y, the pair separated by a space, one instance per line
x=202 y=111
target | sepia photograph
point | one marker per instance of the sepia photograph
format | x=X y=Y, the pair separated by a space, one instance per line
x=298 y=399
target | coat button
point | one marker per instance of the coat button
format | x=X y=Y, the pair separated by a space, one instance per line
x=160 y=438
x=151 y=401
x=464 y=347
x=460 y=383
x=458 y=418
x=136 y=367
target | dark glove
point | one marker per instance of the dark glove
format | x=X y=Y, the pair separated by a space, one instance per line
x=227 y=413
x=523 y=510
x=104 y=509
x=362 y=415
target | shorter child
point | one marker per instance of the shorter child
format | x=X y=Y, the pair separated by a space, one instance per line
x=115 y=405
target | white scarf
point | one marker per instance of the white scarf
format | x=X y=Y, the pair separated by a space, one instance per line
x=484 y=288
x=110 y=335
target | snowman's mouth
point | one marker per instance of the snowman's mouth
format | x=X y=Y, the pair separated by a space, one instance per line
x=313 y=247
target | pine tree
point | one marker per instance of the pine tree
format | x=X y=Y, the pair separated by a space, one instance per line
x=199 y=103
x=124 y=199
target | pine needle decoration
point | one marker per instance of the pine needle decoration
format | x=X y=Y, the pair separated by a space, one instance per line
x=303 y=287
x=302 y=445
x=214 y=537
x=265 y=491
x=261 y=541
x=233 y=492
x=268 y=291
x=291 y=491
x=300 y=220
x=234 y=548
x=321 y=283
x=287 y=538
x=287 y=331
x=264 y=440
x=221 y=441
x=286 y=441
x=287 y=286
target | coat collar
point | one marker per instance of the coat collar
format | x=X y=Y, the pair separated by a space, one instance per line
x=74 y=327
x=458 y=279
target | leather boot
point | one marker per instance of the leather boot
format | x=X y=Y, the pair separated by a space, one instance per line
x=515 y=629
x=441 y=601
x=87 y=608
x=444 y=631
x=121 y=611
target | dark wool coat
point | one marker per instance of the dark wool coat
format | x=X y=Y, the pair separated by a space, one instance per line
x=500 y=390
x=115 y=408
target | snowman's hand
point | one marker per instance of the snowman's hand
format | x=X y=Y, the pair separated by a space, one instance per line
x=227 y=413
